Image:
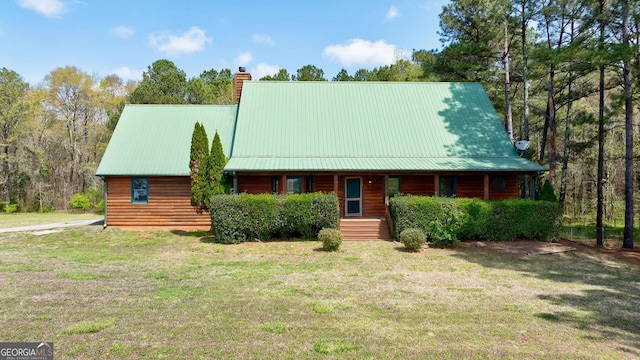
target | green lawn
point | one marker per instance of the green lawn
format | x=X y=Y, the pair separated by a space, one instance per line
x=114 y=294
x=27 y=219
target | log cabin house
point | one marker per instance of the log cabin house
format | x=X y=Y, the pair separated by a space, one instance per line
x=364 y=141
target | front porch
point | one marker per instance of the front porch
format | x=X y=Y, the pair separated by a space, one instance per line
x=365 y=228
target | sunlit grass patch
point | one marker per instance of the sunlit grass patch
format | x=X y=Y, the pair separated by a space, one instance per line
x=17 y=267
x=327 y=306
x=276 y=327
x=78 y=275
x=88 y=327
x=333 y=346
x=175 y=292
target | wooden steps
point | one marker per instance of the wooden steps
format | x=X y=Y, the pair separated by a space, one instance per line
x=365 y=228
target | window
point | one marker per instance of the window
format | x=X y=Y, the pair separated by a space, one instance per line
x=447 y=186
x=275 y=184
x=139 y=190
x=394 y=185
x=309 y=184
x=294 y=185
x=499 y=184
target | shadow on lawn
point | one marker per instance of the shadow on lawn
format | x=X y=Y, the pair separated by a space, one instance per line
x=204 y=236
x=612 y=302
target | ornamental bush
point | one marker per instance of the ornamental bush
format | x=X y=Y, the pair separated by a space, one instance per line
x=413 y=239
x=445 y=220
x=331 y=239
x=238 y=218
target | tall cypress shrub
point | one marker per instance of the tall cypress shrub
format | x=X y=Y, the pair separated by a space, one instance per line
x=217 y=162
x=198 y=164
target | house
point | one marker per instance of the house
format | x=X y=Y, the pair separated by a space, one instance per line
x=364 y=141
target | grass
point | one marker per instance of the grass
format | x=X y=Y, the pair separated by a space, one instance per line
x=117 y=294
x=28 y=219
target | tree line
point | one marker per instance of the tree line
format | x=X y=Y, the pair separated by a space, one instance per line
x=561 y=73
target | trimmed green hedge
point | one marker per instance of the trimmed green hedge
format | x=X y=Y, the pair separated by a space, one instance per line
x=238 y=218
x=446 y=220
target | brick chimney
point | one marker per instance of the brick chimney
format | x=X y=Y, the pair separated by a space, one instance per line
x=239 y=78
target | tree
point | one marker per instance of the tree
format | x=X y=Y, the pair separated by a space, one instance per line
x=281 y=75
x=13 y=113
x=309 y=73
x=475 y=47
x=217 y=162
x=211 y=87
x=342 y=75
x=628 y=106
x=162 y=83
x=72 y=98
x=198 y=167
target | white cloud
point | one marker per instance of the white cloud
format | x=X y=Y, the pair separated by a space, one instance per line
x=191 y=41
x=263 y=39
x=244 y=59
x=361 y=52
x=392 y=13
x=49 y=8
x=124 y=32
x=128 y=74
x=261 y=70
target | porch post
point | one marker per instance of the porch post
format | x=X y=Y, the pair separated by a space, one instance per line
x=283 y=185
x=486 y=186
x=335 y=184
x=385 y=187
x=436 y=185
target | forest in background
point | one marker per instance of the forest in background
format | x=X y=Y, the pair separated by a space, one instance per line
x=561 y=73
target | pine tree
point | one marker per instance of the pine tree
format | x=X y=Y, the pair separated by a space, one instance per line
x=217 y=161
x=198 y=166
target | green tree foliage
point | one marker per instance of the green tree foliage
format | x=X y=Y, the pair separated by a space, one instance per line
x=309 y=73
x=13 y=114
x=198 y=163
x=217 y=162
x=281 y=75
x=343 y=75
x=74 y=100
x=206 y=169
x=162 y=83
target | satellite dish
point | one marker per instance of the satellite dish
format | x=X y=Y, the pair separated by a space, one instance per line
x=522 y=144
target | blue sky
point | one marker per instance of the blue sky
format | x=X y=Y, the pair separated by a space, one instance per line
x=124 y=37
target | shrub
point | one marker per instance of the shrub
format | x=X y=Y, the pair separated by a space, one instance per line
x=444 y=220
x=298 y=216
x=237 y=218
x=331 y=239
x=438 y=218
x=228 y=219
x=474 y=218
x=80 y=202
x=521 y=218
x=261 y=214
x=547 y=193
x=413 y=239
x=90 y=199
x=99 y=208
x=327 y=211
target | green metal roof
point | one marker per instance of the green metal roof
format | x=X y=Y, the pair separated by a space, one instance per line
x=344 y=126
x=156 y=139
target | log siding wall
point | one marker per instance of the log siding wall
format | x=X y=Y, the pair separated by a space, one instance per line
x=169 y=205
x=467 y=185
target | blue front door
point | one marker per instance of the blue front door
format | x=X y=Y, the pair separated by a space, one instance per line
x=353 y=196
